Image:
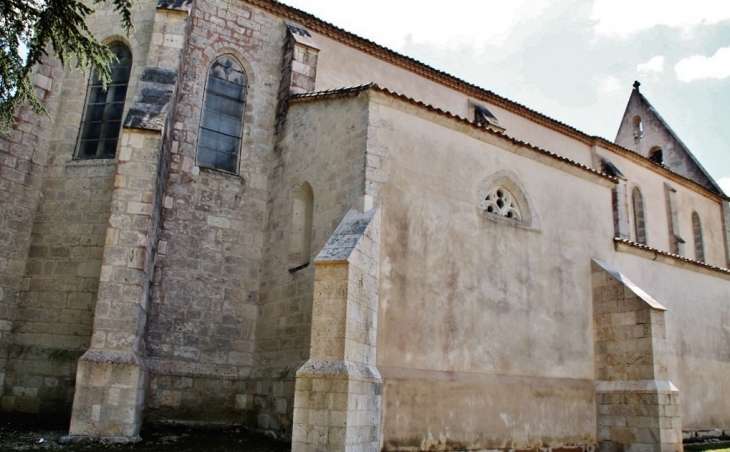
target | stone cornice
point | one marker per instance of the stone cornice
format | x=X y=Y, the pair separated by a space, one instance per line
x=463 y=125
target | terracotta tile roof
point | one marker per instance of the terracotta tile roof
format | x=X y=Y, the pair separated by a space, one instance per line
x=619 y=242
x=354 y=90
x=469 y=89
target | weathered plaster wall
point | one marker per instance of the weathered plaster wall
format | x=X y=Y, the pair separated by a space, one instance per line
x=323 y=144
x=494 y=314
x=340 y=66
x=652 y=188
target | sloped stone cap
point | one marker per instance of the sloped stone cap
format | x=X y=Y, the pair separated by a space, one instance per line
x=656 y=386
x=152 y=100
x=113 y=357
x=348 y=234
x=638 y=291
x=301 y=36
x=175 y=5
x=336 y=368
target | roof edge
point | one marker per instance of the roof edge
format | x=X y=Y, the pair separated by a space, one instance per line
x=679 y=140
x=355 y=90
x=448 y=80
x=624 y=245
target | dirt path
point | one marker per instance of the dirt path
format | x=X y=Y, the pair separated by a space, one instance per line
x=27 y=434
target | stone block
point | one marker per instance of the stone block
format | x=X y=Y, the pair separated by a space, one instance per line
x=713 y=433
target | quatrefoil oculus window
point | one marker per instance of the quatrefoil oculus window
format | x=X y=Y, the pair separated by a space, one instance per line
x=499 y=201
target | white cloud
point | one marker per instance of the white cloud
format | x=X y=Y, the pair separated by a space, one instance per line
x=652 y=67
x=607 y=84
x=725 y=184
x=698 y=67
x=624 y=18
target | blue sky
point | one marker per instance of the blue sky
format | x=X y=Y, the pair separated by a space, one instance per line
x=573 y=60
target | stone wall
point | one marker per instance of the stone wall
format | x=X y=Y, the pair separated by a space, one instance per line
x=200 y=339
x=54 y=316
x=23 y=154
x=323 y=144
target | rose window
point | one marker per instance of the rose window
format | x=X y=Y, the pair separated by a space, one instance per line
x=500 y=202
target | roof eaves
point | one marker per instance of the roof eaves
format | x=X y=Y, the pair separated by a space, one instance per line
x=348 y=91
x=330 y=93
x=658 y=168
x=413 y=65
x=624 y=242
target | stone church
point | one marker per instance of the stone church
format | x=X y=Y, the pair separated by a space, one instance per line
x=270 y=221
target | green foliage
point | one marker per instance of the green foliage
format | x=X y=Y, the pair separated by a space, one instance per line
x=31 y=29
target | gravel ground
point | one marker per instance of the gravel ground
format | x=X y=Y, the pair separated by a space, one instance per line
x=28 y=434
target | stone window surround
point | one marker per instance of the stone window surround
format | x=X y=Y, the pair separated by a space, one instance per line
x=511 y=183
x=110 y=42
x=638 y=211
x=699 y=245
x=246 y=87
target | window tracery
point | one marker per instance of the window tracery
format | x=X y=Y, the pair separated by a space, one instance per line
x=501 y=197
x=221 y=126
x=499 y=201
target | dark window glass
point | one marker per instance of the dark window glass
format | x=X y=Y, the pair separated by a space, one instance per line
x=221 y=126
x=102 y=118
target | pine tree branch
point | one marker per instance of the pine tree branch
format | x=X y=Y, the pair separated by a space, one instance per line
x=30 y=29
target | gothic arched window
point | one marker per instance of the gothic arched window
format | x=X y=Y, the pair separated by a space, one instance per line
x=221 y=126
x=699 y=242
x=656 y=155
x=501 y=197
x=102 y=118
x=638 y=128
x=639 y=216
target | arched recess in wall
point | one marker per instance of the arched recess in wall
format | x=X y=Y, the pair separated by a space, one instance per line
x=300 y=238
x=656 y=155
x=221 y=123
x=638 y=128
x=637 y=201
x=101 y=122
x=698 y=239
x=502 y=196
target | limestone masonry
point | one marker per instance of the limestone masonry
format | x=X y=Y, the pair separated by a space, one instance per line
x=270 y=221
